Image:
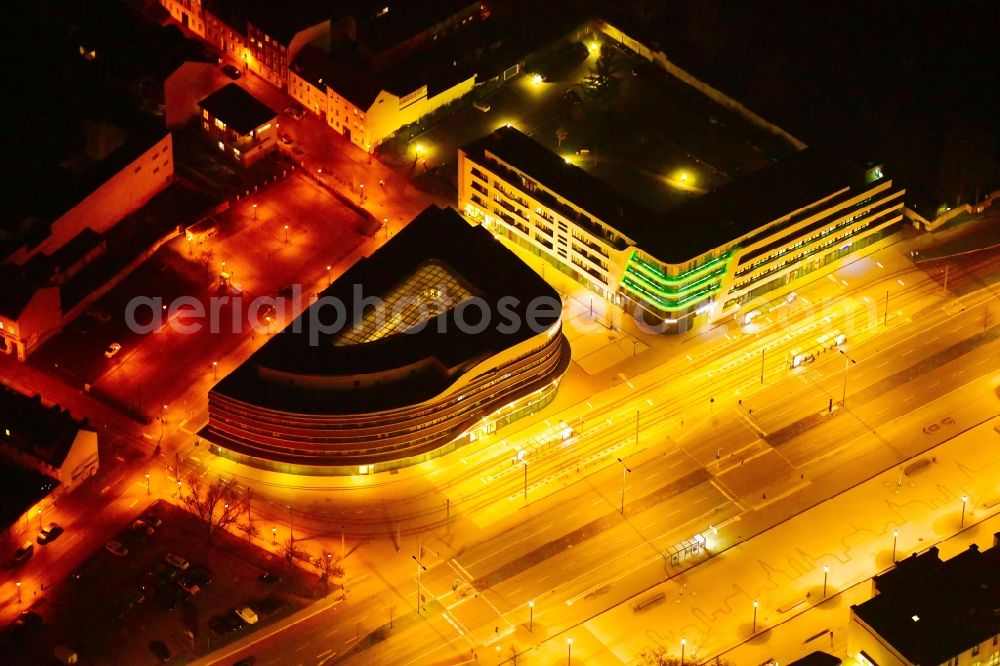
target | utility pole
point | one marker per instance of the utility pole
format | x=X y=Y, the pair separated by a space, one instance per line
x=761 y=366
x=625 y=470
x=847 y=359
x=420 y=567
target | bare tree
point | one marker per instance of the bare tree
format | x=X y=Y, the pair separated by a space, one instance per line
x=218 y=504
x=561 y=135
x=329 y=566
x=661 y=656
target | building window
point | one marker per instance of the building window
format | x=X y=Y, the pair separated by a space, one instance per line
x=138 y=169
x=222 y=146
x=221 y=125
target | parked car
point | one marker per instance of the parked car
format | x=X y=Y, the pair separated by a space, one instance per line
x=160 y=651
x=28 y=621
x=152 y=520
x=189 y=587
x=481 y=105
x=225 y=624
x=284 y=138
x=197 y=575
x=231 y=71
x=177 y=561
x=23 y=554
x=116 y=548
x=296 y=112
x=163 y=574
x=112 y=349
x=247 y=614
x=140 y=526
x=65 y=655
x=49 y=533
x=246 y=661
x=168 y=596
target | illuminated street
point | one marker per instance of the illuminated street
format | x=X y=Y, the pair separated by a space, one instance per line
x=429 y=334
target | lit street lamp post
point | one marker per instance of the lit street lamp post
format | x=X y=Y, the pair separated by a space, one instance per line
x=895 y=536
x=215 y=370
x=754 y=630
x=683 y=644
x=178 y=489
x=847 y=360
x=328 y=278
x=274 y=535
x=826 y=573
x=965 y=498
x=18 y=583
x=420 y=567
x=147 y=483
x=40 y=517
x=569 y=651
x=531 y=616
x=255 y=211
x=625 y=469
x=286 y=234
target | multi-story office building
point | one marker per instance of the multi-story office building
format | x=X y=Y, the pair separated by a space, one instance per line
x=438 y=339
x=929 y=612
x=716 y=256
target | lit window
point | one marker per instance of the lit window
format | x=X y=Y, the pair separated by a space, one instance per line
x=222 y=146
x=221 y=125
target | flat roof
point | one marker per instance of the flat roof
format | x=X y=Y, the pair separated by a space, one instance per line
x=693 y=228
x=428 y=359
x=351 y=75
x=380 y=30
x=237 y=108
x=44 y=433
x=931 y=610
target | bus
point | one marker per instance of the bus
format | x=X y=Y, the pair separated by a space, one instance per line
x=808 y=354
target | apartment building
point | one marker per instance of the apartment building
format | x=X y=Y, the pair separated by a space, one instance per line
x=239 y=124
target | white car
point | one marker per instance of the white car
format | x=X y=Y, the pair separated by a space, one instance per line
x=177 y=561
x=296 y=112
x=116 y=548
x=112 y=349
x=480 y=105
x=247 y=614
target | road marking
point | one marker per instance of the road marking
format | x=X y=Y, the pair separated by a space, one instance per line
x=909 y=351
x=652 y=476
x=323 y=654
x=134 y=502
x=327 y=635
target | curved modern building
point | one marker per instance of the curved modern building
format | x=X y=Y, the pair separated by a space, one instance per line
x=439 y=338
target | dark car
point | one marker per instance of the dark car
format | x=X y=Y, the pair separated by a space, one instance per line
x=49 y=533
x=160 y=651
x=164 y=573
x=266 y=607
x=269 y=577
x=231 y=71
x=225 y=624
x=168 y=596
x=151 y=519
x=246 y=661
x=27 y=622
x=197 y=575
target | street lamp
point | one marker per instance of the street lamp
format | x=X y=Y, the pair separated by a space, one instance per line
x=255 y=211
x=215 y=370
x=569 y=651
x=286 y=233
x=847 y=359
x=754 y=617
x=895 y=536
x=40 y=517
x=328 y=278
x=531 y=616
x=420 y=567
x=965 y=498
x=147 y=483
x=274 y=535
x=683 y=644
x=18 y=583
x=826 y=573
x=178 y=489
x=625 y=469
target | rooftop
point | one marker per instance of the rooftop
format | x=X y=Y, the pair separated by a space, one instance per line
x=237 y=108
x=690 y=229
x=817 y=658
x=278 y=20
x=931 y=610
x=44 y=433
x=387 y=23
x=437 y=262
x=351 y=75
x=22 y=489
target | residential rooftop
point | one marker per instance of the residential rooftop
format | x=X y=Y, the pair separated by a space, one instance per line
x=931 y=610
x=45 y=433
x=689 y=229
x=437 y=262
x=237 y=108
x=278 y=20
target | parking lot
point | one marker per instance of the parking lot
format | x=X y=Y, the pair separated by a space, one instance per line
x=659 y=141
x=116 y=605
x=286 y=235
